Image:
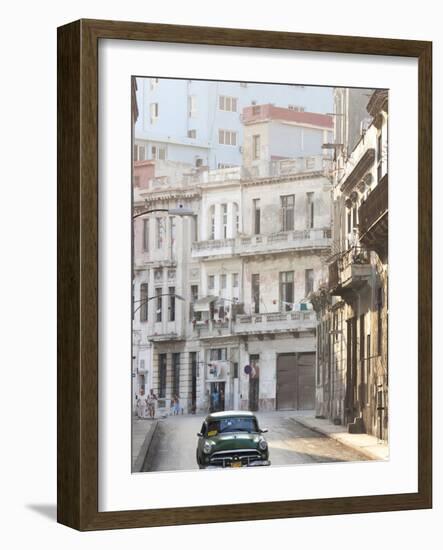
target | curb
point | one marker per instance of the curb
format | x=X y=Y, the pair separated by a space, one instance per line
x=141 y=457
x=336 y=437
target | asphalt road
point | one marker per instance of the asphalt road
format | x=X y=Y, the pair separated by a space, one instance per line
x=174 y=443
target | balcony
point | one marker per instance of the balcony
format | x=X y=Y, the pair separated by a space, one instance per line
x=309 y=239
x=373 y=216
x=349 y=271
x=213 y=248
x=211 y=329
x=283 y=242
x=286 y=167
x=271 y=323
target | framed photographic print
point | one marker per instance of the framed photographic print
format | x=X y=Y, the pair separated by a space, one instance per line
x=237 y=336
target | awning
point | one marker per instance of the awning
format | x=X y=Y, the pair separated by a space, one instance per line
x=203 y=303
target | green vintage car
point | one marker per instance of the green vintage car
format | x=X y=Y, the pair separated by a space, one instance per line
x=231 y=439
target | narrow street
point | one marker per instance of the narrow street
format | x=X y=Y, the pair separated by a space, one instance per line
x=174 y=443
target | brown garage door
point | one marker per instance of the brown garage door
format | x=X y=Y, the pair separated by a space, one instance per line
x=296 y=381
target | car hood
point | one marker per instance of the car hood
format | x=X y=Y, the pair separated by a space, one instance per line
x=235 y=440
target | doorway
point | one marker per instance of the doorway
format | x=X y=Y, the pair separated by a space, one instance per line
x=295 y=381
x=217 y=396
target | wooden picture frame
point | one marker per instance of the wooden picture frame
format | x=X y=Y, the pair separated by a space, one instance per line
x=77 y=480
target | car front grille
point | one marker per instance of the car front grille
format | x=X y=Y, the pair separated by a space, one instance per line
x=225 y=458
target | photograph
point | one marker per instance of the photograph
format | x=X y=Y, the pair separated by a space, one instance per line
x=259 y=274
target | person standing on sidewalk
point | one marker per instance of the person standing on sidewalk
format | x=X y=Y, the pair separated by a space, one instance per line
x=176 y=405
x=151 y=399
x=141 y=405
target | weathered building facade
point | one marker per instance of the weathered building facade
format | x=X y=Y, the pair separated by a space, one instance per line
x=352 y=305
x=224 y=319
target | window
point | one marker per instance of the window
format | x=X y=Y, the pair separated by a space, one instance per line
x=158 y=305
x=160 y=232
x=309 y=281
x=194 y=298
x=296 y=108
x=162 y=375
x=287 y=211
x=192 y=106
x=226 y=103
x=198 y=162
x=223 y=280
x=192 y=134
x=194 y=229
x=227 y=137
x=309 y=210
x=153 y=110
x=224 y=209
x=223 y=165
x=171 y=304
x=143 y=302
x=139 y=152
x=256 y=147
x=146 y=235
x=235 y=370
x=153 y=83
x=176 y=374
x=211 y=282
x=256 y=219
x=286 y=290
x=255 y=292
x=218 y=354
x=235 y=280
x=212 y=223
x=158 y=152
x=379 y=321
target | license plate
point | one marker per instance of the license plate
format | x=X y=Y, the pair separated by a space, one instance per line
x=236 y=464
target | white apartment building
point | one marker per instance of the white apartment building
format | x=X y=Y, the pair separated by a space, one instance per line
x=228 y=323
x=200 y=123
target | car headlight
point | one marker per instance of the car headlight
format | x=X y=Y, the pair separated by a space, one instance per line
x=207 y=447
x=263 y=444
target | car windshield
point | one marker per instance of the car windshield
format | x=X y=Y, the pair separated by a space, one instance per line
x=234 y=424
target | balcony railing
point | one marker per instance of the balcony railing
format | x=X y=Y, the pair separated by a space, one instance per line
x=257 y=244
x=374 y=207
x=275 y=322
x=283 y=241
x=349 y=270
x=212 y=329
x=286 y=167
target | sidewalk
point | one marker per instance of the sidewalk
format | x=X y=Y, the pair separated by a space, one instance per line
x=142 y=433
x=368 y=445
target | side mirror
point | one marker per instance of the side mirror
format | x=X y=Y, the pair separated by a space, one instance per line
x=199 y=434
x=264 y=430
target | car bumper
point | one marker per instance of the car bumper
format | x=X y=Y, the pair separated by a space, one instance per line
x=250 y=465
